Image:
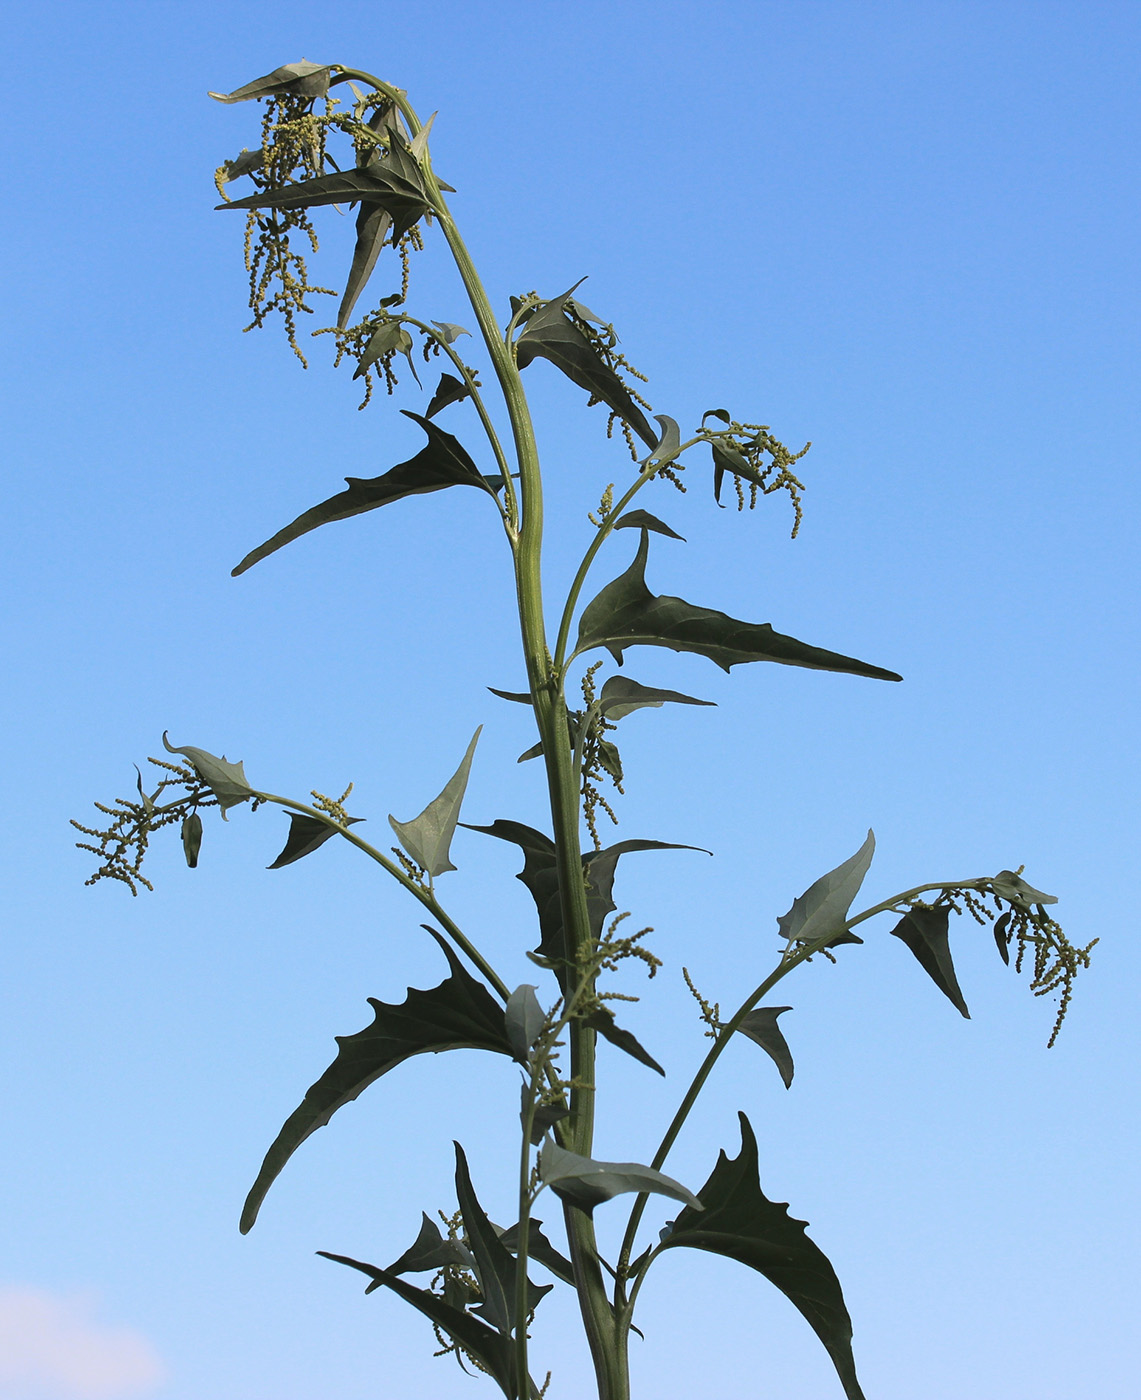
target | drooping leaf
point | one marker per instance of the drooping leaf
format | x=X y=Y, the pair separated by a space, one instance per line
x=620 y=696
x=373 y=224
x=643 y=520
x=586 y=1183
x=822 y=910
x=389 y=335
x=227 y=781
x=428 y=837
x=761 y=1026
x=449 y=390
x=604 y=1023
x=490 y=1348
x=305 y=835
x=1014 y=889
x=925 y=933
x=302 y=79
x=192 y=838
x=540 y=1249
x=393 y=184
x=551 y=334
x=459 y=1014
x=543 y=1117
x=1001 y=924
x=495 y=1266
x=741 y=1223
x=442 y=462
x=430 y=1250
x=524 y=1018
x=627 y=614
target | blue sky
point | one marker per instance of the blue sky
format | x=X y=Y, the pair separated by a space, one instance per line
x=905 y=231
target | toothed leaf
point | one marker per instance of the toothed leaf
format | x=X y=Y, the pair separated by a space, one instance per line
x=430 y=1250
x=741 y=1223
x=627 y=614
x=227 y=781
x=459 y=1014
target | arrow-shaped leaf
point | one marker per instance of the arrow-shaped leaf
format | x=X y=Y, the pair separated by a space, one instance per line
x=583 y=1182
x=551 y=334
x=822 y=910
x=442 y=462
x=643 y=520
x=305 y=835
x=428 y=837
x=627 y=614
x=924 y=930
x=490 y=1348
x=449 y=390
x=761 y=1026
x=227 y=781
x=459 y=1014
x=540 y=1249
x=495 y=1266
x=1013 y=888
x=393 y=184
x=602 y=1020
x=740 y=1223
x=430 y=1250
x=621 y=696
x=302 y=79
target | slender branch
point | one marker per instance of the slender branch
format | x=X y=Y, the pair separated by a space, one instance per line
x=426 y=897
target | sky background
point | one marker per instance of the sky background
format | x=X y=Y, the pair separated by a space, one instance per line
x=907 y=231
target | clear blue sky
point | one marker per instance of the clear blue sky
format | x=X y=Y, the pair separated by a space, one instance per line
x=907 y=231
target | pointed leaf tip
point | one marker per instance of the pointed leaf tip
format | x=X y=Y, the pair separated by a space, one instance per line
x=586 y=1183
x=761 y=1027
x=524 y=1018
x=428 y=837
x=924 y=931
x=227 y=781
x=822 y=910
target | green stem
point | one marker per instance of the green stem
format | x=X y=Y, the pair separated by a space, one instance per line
x=426 y=897
x=788 y=962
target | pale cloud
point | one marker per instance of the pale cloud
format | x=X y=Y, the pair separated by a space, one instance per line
x=54 y=1348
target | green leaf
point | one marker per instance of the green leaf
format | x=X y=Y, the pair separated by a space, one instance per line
x=302 y=79
x=524 y=1019
x=540 y=1249
x=430 y=1250
x=393 y=184
x=544 y=1117
x=924 y=930
x=643 y=520
x=822 y=910
x=442 y=462
x=192 y=838
x=459 y=1014
x=740 y=1223
x=761 y=1026
x=627 y=614
x=490 y=1348
x=602 y=1020
x=668 y=445
x=305 y=835
x=389 y=335
x=449 y=331
x=1001 y=924
x=521 y=697
x=495 y=1266
x=428 y=837
x=585 y=1183
x=551 y=334
x=1014 y=889
x=244 y=164
x=621 y=696
x=449 y=390
x=227 y=781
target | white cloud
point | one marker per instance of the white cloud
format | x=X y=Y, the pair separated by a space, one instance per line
x=53 y=1348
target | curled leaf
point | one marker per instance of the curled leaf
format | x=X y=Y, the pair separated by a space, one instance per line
x=761 y=1026
x=192 y=838
x=643 y=520
x=449 y=331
